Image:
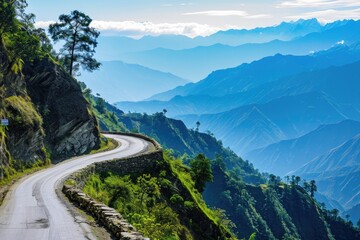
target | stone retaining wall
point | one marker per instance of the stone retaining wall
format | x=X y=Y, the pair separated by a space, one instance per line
x=112 y=220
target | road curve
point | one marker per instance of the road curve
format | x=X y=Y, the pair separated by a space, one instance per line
x=33 y=211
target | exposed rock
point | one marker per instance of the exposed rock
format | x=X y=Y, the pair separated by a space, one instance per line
x=71 y=128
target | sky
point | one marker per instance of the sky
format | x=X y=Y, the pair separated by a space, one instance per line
x=192 y=18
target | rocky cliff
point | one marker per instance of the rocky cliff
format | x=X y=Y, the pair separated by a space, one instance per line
x=71 y=128
x=47 y=113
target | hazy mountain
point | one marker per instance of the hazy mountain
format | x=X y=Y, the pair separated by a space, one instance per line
x=255 y=82
x=354 y=214
x=282 y=157
x=337 y=172
x=119 y=81
x=111 y=47
x=284 y=31
x=252 y=126
x=204 y=59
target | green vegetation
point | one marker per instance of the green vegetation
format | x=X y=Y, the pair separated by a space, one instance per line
x=105 y=145
x=80 y=41
x=108 y=120
x=201 y=171
x=163 y=204
x=20 y=43
x=171 y=134
x=275 y=210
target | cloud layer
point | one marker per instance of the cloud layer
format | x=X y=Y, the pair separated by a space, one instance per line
x=139 y=29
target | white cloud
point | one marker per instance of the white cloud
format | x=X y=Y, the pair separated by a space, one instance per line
x=220 y=13
x=330 y=15
x=139 y=29
x=318 y=3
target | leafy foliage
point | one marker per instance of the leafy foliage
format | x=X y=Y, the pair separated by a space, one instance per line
x=138 y=199
x=161 y=203
x=201 y=171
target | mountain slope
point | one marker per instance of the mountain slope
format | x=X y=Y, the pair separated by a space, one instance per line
x=285 y=156
x=252 y=126
x=174 y=135
x=119 y=81
x=336 y=172
x=272 y=211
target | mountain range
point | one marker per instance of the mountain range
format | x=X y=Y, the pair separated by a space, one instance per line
x=274 y=110
x=282 y=157
x=337 y=172
x=111 y=46
x=117 y=80
x=205 y=59
x=227 y=89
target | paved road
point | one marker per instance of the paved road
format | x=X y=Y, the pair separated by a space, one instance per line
x=33 y=211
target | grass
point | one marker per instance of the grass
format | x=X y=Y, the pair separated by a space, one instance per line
x=182 y=173
x=106 y=144
x=23 y=111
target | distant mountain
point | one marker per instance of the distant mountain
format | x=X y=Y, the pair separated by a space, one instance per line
x=337 y=172
x=285 y=156
x=119 y=81
x=112 y=47
x=253 y=126
x=354 y=214
x=255 y=82
x=204 y=59
x=284 y=31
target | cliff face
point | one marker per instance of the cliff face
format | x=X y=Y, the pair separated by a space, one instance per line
x=46 y=111
x=71 y=128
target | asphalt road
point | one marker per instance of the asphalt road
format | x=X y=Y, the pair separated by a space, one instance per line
x=33 y=211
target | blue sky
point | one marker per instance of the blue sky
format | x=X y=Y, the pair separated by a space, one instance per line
x=193 y=18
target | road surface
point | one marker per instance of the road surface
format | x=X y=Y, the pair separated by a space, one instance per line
x=33 y=211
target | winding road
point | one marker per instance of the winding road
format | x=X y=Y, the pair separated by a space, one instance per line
x=33 y=211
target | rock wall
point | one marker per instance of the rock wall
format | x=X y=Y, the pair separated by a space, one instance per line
x=133 y=165
x=111 y=219
x=70 y=126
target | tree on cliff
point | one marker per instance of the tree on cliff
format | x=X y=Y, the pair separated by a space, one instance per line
x=201 y=171
x=313 y=188
x=80 y=41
